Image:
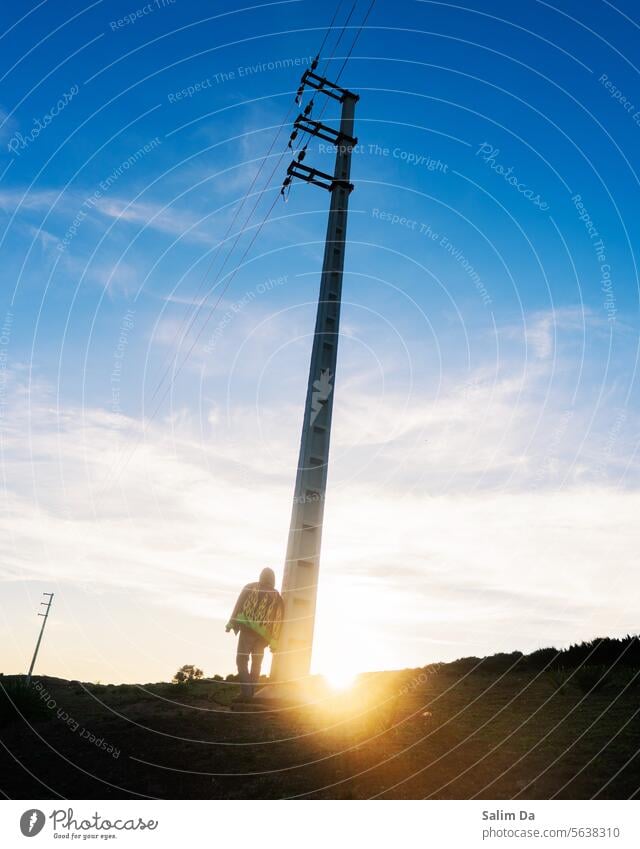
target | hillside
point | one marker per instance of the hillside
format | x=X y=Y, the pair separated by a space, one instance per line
x=546 y=725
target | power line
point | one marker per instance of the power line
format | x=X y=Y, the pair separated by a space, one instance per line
x=217 y=251
x=176 y=373
x=330 y=27
x=264 y=220
x=194 y=317
x=333 y=53
x=221 y=295
x=341 y=33
x=241 y=232
x=196 y=311
x=348 y=56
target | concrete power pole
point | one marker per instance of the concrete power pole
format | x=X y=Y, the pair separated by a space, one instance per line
x=300 y=583
x=45 y=616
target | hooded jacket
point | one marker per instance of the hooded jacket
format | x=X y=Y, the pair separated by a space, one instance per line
x=260 y=608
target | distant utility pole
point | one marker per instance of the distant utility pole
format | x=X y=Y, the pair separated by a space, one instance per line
x=300 y=582
x=45 y=616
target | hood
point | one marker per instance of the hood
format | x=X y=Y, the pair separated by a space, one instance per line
x=267 y=578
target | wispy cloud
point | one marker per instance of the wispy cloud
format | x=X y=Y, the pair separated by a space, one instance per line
x=156 y=216
x=40 y=200
x=544 y=330
x=499 y=572
x=164 y=218
x=502 y=558
x=477 y=504
x=7 y=125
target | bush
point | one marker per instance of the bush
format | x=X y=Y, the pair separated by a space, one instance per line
x=223 y=694
x=596 y=677
x=604 y=651
x=542 y=659
x=560 y=678
x=187 y=674
x=592 y=678
x=16 y=698
x=495 y=664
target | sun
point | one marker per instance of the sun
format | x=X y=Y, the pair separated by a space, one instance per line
x=335 y=664
x=337 y=655
x=340 y=679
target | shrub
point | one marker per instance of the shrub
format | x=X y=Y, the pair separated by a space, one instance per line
x=591 y=678
x=186 y=674
x=224 y=694
x=604 y=651
x=541 y=659
x=596 y=677
x=560 y=678
x=16 y=698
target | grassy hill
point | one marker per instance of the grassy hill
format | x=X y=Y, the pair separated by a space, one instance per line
x=550 y=724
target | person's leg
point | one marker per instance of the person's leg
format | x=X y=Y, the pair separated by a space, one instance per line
x=242 y=662
x=257 y=656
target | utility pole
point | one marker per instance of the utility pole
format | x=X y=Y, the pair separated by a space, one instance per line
x=45 y=616
x=293 y=657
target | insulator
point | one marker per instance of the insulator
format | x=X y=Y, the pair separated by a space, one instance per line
x=302 y=154
x=308 y=108
x=292 y=137
x=314 y=64
x=286 y=188
x=299 y=94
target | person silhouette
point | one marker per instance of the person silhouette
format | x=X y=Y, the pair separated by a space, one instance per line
x=257 y=618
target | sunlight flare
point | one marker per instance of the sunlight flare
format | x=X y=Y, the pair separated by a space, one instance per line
x=340 y=679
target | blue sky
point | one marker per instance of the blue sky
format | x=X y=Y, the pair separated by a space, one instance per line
x=484 y=483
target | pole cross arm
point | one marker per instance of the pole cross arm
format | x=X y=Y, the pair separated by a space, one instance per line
x=322 y=131
x=318 y=178
x=323 y=85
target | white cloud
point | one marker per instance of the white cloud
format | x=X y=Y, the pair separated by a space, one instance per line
x=412 y=572
x=120 y=278
x=546 y=330
x=156 y=216
x=160 y=217
x=40 y=200
x=7 y=124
